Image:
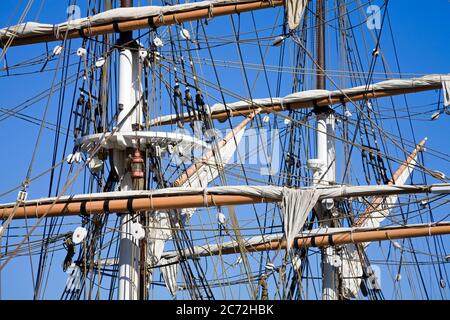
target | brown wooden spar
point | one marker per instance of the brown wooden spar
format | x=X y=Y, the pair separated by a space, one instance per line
x=322 y=102
x=215 y=10
x=323 y=240
x=407 y=165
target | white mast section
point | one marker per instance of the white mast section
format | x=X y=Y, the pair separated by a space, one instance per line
x=325 y=174
x=129 y=95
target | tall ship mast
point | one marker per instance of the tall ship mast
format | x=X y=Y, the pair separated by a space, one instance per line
x=245 y=149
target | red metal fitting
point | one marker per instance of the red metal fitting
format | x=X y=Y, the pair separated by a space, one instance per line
x=137 y=165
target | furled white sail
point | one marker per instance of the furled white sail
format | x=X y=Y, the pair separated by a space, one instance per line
x=396 y=86
x=446 y=91
x=295 y=10
x=169 y=273
x=158 y=232
x=169 y=257
x=30 y=29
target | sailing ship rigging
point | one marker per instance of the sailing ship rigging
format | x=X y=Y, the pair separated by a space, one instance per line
x=225 y=149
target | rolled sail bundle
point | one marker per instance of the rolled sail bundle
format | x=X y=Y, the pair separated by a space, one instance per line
x=126 y=19
x=179 y=198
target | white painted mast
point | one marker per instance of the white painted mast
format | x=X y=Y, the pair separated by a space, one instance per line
x=128 y=96
x=324 y=166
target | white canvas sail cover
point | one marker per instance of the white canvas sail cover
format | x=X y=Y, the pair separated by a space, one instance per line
x=296 y=205
x=427 y=82
x=294 y=12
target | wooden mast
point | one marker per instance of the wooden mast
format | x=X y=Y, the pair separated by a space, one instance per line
x=333 y=239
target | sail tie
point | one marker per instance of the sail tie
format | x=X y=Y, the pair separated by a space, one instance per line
x=37 y=206
x=205 y=197
x=56 y=31
x=175 y=19
x=88 y=25
x=446 y=91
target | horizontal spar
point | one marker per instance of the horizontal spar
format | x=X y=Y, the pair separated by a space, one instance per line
x=156 y=17
x=179 y=198
x=316 y=98
x=128 y=205
x=367 y=236
x=314 y=238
